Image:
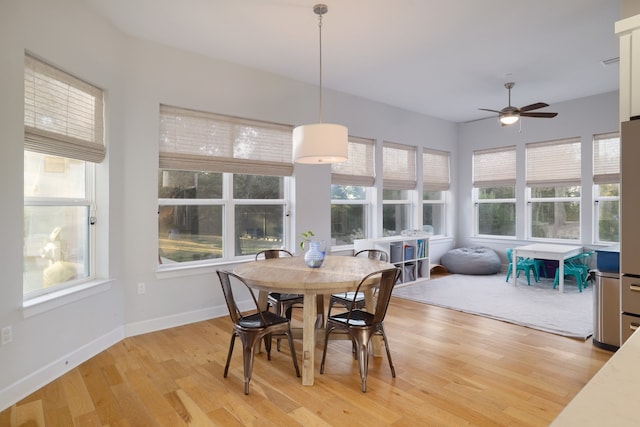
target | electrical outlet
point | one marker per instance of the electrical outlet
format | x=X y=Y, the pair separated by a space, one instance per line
x=7 y=335
x=141 y=288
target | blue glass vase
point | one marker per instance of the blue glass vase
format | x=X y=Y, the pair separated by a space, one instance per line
x=314 y=257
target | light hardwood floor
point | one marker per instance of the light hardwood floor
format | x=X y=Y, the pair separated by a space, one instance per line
x=453 y=369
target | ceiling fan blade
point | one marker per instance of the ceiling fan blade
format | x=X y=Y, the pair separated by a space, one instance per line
x=541 y=115
x=486 y=109
x=533 y=106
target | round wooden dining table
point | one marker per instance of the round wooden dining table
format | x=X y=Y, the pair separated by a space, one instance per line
x=291 y=275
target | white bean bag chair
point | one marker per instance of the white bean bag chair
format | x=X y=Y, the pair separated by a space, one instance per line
x=474 y=261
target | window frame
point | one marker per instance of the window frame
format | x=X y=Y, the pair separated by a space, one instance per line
x=200 y=142
x=436 y=180
x=64 y=118
x=486 y=176
x=547 y=167
x=406 y=202
x=597 y=199
x=530 y=205
x=605 y=172
x=478 y=202
x=229 y=204
x=366 y=204
x=357 y=171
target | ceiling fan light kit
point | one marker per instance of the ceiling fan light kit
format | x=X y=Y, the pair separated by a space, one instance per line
x=320 y=143
x=510 y=115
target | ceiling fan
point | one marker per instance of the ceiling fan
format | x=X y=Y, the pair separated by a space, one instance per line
x=509 y=115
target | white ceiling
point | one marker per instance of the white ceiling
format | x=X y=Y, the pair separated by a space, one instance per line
x=443 y=58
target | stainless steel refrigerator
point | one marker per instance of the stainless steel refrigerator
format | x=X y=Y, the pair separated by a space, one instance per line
x=630 y=228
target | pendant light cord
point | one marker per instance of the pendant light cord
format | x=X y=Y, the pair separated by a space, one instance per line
x=320 y=86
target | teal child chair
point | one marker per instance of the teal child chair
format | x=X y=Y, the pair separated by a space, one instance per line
x=524 y=265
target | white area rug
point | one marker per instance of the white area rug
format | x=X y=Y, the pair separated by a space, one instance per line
x=538 y=306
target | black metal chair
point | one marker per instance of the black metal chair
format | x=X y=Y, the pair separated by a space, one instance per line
x=282 y=303
x=362 y=325
x=344 y=299
x=251 y=328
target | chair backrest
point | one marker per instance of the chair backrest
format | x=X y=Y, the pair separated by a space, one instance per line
x=373 y=254
x=227 y=290
x=272 y=253
x=384 y=288
x=522 y=262
x=583 y=259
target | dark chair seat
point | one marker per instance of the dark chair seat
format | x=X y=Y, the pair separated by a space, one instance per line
x=258 y=320
x=357 y=318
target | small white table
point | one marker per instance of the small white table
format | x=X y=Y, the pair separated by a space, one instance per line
x=547 y=251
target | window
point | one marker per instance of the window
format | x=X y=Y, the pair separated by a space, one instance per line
x=63 y=127
x=436 y=180
x=350 y=192
x=606 y=180
x=222 y=186
x=399 y=182
x=553 y=187
x=494 y=191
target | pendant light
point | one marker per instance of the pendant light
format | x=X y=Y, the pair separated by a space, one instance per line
x=320 y=143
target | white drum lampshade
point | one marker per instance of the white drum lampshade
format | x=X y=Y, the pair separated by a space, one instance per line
x=320 y=143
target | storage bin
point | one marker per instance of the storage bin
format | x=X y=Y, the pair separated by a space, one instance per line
x=608 y=260
x=408 y=273
x=395 y=252
x=409 y=252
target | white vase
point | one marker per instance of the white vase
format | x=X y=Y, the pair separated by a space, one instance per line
x=314 y=257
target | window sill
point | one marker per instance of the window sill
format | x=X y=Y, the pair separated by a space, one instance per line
x=53 y=300
x=177 y=270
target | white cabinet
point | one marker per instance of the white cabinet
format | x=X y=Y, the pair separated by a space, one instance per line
x=410 y=253
x=629 y=32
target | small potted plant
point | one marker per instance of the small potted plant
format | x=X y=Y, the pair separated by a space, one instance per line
x=306 y=237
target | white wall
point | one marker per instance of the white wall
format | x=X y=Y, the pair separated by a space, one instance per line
x=137 y=76
x=49 y=343
x=582 y=118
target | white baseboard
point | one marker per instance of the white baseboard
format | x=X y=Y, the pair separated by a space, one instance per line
x=166 y=322
x=160 y=323
x=43 y=376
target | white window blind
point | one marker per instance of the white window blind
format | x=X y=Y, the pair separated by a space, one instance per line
x=553 y=163
x=435 y=170
x=495 y=167
x=63 y=115
x=359 y=167
x=201 y=141
x=398 y=166
x=606 y=158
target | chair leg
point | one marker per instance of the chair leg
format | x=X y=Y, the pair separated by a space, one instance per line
x=292 y=350
x=280 y=308
x=329 y=308
x=324 y=351
x=248 y=352
x=386 y=345
x=267 y=345
x=226 y=367
x=363 y=358
x=508 y=273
